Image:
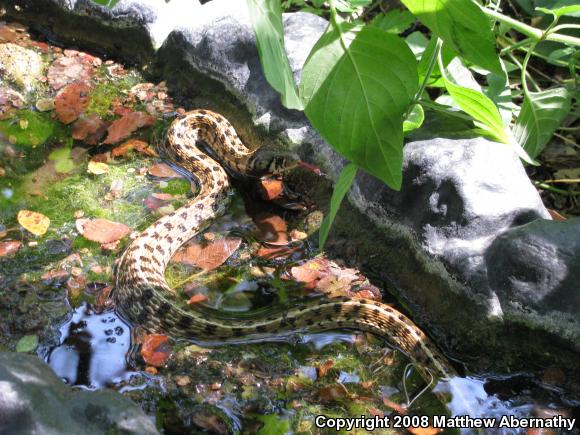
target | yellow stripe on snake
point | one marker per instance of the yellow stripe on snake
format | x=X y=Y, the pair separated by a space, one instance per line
x=144 y=297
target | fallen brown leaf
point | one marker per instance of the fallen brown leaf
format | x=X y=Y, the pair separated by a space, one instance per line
x=208 y=256
x=273 y=229
x=156 y=349
x=424 y=430
x=277 y=253
x=133 y=144
x=162 y=170
x=196 y=299
x=9 y=247
x=395 y=406
x=65 y=70
x=211 y=423
x=271 y=188
x=130 y=122
x=34 y=222
x=333 y=393
x=311 y=272
x=89 y=129
x=102 y=230
x=555 y=215
x=71 y=101
x=323 y=368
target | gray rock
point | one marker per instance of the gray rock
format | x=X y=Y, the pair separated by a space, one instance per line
x=21 y=66
x=538 y=265
x=34 y=401
x=457 y=196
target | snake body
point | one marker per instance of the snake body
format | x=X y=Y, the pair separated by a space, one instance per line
x=143 y=296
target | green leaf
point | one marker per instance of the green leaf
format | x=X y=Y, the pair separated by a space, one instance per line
x=393 y=21
x=108 y=3
x=28 y=343
x=357 y=86
x=343 y=184
x=415 y=118
x=266 y=18
x=273 y=424
x=560 y=11
x=542 y=112
x=462 y=25
x=479 y=107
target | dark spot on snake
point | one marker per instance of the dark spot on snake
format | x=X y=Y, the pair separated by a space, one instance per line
x=401 y=318
x=160 y=249
x=337 y=308
x=163 y=309
x=199 y=206
x=169 y=239
x=168 y=225
x=388 y=310
x=261 y=328
x=182 y=227
x=210 y=329
x=183 y=215
x=148 y=247
x=202 y=112
x=185 y=322
x=237 y=332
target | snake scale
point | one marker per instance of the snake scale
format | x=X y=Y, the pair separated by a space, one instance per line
x=143 y=296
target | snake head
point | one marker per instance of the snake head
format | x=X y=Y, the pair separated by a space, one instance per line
x=273 y=162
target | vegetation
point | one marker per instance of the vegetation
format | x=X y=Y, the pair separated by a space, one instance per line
x=379 y=69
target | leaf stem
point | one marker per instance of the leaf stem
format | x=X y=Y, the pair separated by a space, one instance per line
x=530 y=31
x=430 y=67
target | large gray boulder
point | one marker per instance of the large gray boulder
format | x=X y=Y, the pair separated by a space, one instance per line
x=34 y=401
x=456 y=233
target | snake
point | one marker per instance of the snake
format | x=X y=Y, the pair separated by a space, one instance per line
x=143 y=296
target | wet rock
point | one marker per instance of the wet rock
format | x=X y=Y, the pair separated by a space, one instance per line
x=457 y=196
x=34 y=400
x=20 y=65
x=538 y=265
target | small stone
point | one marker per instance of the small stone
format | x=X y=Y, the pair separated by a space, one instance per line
x=150 y=370
x=182 y=381
x=45 y=104
x=32 y=244
x=76 y=271
x=20 y=65
x=79 y=214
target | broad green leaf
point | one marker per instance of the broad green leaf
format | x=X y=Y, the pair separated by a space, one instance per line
x=343 y=184
x=478 y=106
x=356 y=87
x=108 y=3
x=266 y=18
x=28 y=343
x=462 y=25
x=500 y=93
x=542 y=112
x=418 y=43
x=415 y=118
x=394 y=21
x=564 y=10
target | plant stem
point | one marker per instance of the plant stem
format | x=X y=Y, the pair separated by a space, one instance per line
x=432 y=62
x=530 y=31
x=545 y=186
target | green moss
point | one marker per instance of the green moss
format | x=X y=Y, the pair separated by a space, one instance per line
x=28 y=128
x=177 y=186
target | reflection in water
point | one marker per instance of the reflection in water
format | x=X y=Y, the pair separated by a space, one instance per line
x=92 y=350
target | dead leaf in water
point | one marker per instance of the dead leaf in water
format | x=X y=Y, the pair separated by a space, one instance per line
x=97 y=168
x=34 y=222
x=162 y=170
x=71 y=101
x=133 y=144
x=89 y=129
x=10 y=247
x=130 y=122
x=208 y=256
x=271 y=188
x=196 y=299
x=156 y=349
x=102 y=230
x=211 y=423
x=65 y=70
x=273 y=229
